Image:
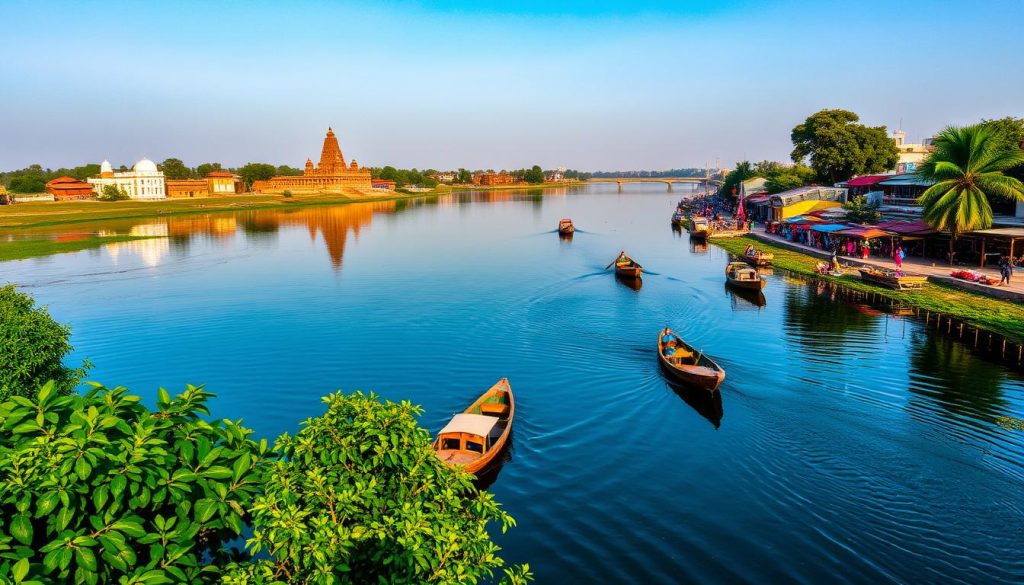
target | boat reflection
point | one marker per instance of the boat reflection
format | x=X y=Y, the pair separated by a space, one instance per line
x=698 y=246
x=489 y=474
x=677 y=230
x=633 y=283
x=707 y=404
x=742 y=299
x=565 y=237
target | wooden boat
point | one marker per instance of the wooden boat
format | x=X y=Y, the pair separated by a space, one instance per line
x=687 y=365
x=626 y=267
x=740 y=275
x=565 y=226
x=757 y=258
x=890 y=279
x=474 y=438
x=699 y=227
x=677 y=218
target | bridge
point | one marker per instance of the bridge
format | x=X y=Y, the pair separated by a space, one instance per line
x=707 y=182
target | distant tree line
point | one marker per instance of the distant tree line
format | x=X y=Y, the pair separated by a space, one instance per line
x=689 y=172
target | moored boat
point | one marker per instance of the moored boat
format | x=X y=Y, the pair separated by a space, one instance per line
x=685 y=364
x=757 y=258
x=626 y=267
x=677 y=218
x=699 y=227
x=473 y=438
x=739 y=275
x=565 y=226
x=891 y=279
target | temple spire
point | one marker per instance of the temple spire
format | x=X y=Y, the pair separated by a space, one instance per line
x=331 y=160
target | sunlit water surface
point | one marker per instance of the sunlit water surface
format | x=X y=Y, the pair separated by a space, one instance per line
x=847 y=444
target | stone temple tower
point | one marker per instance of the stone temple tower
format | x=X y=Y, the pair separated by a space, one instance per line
x=332 y=163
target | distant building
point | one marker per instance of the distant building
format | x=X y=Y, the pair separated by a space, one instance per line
x=491 y=179
x=443 y=177
x=805 y=200
x=144 y=181
x=223 y=183
x=69 y=189
x=332 y=175
x=187 y=188
x=911 y=155
x=382 y=185
x=555 y=176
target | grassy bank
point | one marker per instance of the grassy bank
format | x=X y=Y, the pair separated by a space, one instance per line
x=21 y=249
x=996 y=315
x=46 y=214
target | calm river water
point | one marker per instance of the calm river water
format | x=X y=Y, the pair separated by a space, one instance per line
x=848 y=445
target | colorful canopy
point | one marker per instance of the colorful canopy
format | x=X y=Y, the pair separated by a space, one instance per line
x=829 y=227
x=802 y=219
x=916 y=228
x=865 y=233
x=867 y=180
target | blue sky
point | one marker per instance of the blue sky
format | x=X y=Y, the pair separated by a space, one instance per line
x=588 y=85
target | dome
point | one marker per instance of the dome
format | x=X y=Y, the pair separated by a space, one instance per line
x=145 y=166
x=105 y=167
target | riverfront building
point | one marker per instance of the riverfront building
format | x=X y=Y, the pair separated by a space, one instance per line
x=69 y=189
x=217 y=183
x=144 y=181
x=332 y=175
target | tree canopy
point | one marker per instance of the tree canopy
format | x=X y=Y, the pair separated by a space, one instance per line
x=174 y=169
x=839 y=148
x=534 y=175
x=33 y=346
x=253 y=172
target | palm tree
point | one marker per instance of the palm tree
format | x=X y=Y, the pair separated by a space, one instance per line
x=967 y=169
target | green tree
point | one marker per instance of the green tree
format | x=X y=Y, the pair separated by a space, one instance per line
x=253 y=172
x=967 y=168
x=27 y=184
x=173 y=168
x=858 y=210
x=97 y=488
x=33 y=346
x=207 y=168
x=534 y=175
x=112 y=193
x=839 y=148
x=464 y=176
x=358 y=496
x=783 y=182
x=743 y=171
x=287 y=171
x=1010 y=135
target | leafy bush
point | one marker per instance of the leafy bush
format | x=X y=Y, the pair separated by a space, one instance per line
x=858 y=210
x=32 y=346
x=358 y=496
x=286 y=193
x=112 y=193
x=96 y=488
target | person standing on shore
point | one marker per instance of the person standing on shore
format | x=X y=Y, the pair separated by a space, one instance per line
x=898 y=257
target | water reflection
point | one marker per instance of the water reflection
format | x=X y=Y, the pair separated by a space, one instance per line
x=633 y=283
x=745 y=299
x=947 y=373
x=152 y=251
x=698 y=246
x=489 y=474
x=707 y=404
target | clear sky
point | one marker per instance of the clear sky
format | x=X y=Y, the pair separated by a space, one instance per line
x=583 y=84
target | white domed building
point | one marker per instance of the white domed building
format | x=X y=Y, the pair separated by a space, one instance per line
x=144 y=181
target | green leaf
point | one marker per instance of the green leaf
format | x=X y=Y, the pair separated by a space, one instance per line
x=45 y=391
x=85 y=558
x=129 y=527
x=241 y=465
x=205 y=510
x=21 y=528
x=82 y=468
x=117 y=485
x=46 y=503
x=20 y=570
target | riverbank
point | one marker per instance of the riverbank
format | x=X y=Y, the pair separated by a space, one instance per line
x=47 y=214
x=1005 y=318
x=34 y=248
x=516 y=186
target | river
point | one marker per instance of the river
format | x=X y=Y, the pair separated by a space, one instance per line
x=847 y=444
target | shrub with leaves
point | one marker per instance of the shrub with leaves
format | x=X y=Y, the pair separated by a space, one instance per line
x=358 y=496
x=32 y=348
x=97 y=488
x=113 y=193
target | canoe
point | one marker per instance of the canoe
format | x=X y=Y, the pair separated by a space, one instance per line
x=626 y=267
x=739 y=275
x=757 y=258
x=473 y=438
x=565 y=226
x=689 y=366
x=699 y=227
x=891 y=279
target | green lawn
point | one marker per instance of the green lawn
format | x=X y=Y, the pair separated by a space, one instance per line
x=999 y=316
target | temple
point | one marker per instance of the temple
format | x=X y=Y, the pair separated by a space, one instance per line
x=332 y=175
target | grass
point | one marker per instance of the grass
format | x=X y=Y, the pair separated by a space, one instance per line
x=49 y=213
x=22 y=249
x=999 y=316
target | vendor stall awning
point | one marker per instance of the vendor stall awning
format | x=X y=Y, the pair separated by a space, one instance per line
x=865 y=233
x=803 y=219
x=830 y=227
x=867 y=180
x=906 y=228
x=907 y=179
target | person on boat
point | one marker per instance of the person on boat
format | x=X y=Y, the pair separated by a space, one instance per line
x=670 y=348
x=747 y=251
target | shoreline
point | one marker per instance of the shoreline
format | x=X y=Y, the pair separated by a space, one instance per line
x=995 y=315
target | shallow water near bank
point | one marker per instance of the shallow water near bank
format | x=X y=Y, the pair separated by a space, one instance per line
x=846 y=445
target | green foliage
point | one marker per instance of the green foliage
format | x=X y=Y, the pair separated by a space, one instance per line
x=743 y=171
x=112 y=193
x=840 y=148
x=286 y=193
x=96 y=488
x=464 y=177
x=783 y=182
x=534 y=175
x=207 y=168
x=174 y=169
x=32 y=346
x=403 y=177
x=967 y=168
x=287 y=171
x=358 y=496
x=253 y=172
x=858 y=210
x=1009 y=133
x=27 y=184
x=33 y=178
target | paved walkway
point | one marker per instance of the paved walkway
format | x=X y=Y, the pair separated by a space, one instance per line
x=936 y=272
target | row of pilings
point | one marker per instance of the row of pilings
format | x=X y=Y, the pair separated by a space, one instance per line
x=991 y=345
